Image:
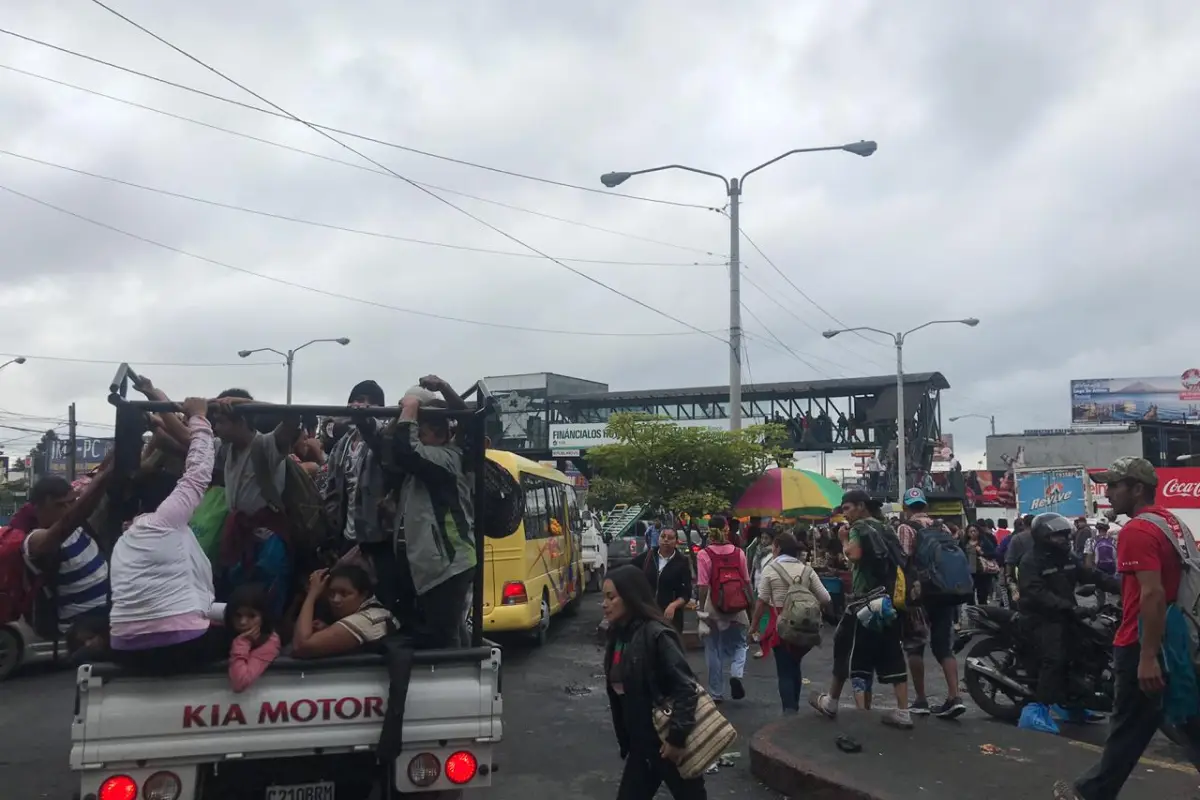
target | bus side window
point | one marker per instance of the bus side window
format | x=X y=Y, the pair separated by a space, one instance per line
x=536 y=519
x=558 y=507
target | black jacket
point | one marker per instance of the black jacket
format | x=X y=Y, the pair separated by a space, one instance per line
x=1047 y=579
x=654 y=669
x=673 y=583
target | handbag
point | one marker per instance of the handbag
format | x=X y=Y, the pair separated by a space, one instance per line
x=989 y=566
x=707 y=741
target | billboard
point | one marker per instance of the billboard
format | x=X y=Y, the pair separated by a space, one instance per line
x=943 y=449
x=582 y=435
x=1061 y=491
x=89 y=453
x=1178 y=487
x=1092 y=449
x=1172 y=398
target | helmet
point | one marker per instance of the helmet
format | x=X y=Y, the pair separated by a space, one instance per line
x=1052 y=530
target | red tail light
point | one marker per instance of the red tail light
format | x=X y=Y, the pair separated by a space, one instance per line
x=461 y=767
x=695 y=548
x=118 y=787
x=514 y=594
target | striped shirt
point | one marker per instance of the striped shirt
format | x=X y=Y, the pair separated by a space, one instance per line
x=82 y=580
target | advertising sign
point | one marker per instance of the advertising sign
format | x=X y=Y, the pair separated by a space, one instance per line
x=943 y=450
x=89 y=453
x=582 y=435
x=1062 y=491
x=1178 y=487
x=1173 y=398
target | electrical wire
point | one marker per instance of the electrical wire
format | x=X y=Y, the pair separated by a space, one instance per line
x=429 y=192
x=361 y=167
x=335 y=295
x=343 y=229
x=278 y=112
x=143 y=363
x=802 y=293
x=779 y=341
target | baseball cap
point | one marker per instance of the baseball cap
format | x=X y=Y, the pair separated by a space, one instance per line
x=1128 y=468
x=915 y=497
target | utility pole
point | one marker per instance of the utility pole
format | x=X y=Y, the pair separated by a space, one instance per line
x=71 y=465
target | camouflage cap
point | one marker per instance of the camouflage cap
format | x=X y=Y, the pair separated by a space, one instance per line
x=1128 y=468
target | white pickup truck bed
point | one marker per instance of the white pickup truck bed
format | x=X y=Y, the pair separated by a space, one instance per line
x=303 y=724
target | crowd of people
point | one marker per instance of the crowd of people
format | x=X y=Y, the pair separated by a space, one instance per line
x=238 y=538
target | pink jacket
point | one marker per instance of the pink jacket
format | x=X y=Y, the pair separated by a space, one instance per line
x=245 y=665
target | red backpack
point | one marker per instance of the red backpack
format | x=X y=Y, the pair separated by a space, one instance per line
x=18 y=586
x=729 y=590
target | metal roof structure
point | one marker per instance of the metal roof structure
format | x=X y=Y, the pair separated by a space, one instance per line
x=842 y=387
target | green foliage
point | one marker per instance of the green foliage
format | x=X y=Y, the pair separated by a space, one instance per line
x=692 y=470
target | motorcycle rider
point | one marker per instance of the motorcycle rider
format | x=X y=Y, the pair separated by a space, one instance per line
x=1047 y=576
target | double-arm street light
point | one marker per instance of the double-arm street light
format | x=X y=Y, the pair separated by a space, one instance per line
x=899 y=339
x=289 y=358
x=733 y=188
x=990 y=418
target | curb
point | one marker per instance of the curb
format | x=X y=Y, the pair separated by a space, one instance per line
x=783 y=772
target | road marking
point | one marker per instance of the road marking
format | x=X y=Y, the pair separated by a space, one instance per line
x=1150 y=762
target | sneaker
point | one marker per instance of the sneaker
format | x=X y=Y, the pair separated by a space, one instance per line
x=1065 y=791
x=953 y=708
x=1036 y=717
x=919 y=708
x=1076 y=716
x=898 y=718
x=736 y=690
x=824 y=705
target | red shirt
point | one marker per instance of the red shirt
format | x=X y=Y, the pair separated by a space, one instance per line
x=1142 y=547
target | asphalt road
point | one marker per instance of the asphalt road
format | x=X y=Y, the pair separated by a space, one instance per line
x=558 y=733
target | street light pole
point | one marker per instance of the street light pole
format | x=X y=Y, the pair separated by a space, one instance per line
x=901 y=417
x=733 y=189
x=289 y=358
x=18 y=361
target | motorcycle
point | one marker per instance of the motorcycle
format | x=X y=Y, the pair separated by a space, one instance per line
x=1002 y=664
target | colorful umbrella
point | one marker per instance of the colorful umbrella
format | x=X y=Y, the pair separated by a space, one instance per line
x=790 y=493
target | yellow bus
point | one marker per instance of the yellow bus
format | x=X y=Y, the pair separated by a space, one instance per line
x=536 y=571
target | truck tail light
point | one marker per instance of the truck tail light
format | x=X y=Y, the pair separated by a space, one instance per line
x=514 y=594
x=162 y=786
x=424 y=769
x=118 y=787
x=461 y=767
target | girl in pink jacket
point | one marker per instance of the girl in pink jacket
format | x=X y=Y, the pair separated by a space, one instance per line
x=255 y=643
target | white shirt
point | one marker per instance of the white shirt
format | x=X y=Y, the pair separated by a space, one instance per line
x=158 y=568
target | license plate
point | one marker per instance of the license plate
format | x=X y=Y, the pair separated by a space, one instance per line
x=303 y=791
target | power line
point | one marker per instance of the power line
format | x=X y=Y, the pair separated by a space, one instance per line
x=343 y=229
x=325 y=292
x=317 y=126
x=415 y=185
x=360 y=167
x=803 y=294
x=143 y=363
x=779 y=341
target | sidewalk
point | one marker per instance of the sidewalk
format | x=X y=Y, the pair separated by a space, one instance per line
x=971 y=757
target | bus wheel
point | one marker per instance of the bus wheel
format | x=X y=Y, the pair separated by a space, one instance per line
x=542 y=632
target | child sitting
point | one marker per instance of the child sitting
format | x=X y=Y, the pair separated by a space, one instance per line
x=255 y=643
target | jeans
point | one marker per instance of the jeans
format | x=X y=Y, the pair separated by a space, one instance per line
x=642 y=777
x=1135 y=719
x=787 y=671
x=721 y=646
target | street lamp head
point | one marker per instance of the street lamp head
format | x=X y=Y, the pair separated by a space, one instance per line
x=614 y=179
x=863 y=148
x=970 y=322
x=19 y=360
x=830 y=334
x=342 y=341
x=244 y=353
x=955 y=419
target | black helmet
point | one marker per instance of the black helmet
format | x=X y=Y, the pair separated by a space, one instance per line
x=1051 y=530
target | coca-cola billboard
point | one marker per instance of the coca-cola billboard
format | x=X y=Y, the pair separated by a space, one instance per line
x=1178 y=487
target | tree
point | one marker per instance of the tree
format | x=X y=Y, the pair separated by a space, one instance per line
x=683 y=469
x=41 y=450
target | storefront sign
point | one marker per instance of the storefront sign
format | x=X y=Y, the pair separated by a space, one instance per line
x=582 y=435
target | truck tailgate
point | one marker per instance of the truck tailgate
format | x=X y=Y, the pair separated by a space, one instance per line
x=330 y=705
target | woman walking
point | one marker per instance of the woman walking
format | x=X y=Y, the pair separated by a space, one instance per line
x=644 y=663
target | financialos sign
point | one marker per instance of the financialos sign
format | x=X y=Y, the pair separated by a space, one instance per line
x=582 y=435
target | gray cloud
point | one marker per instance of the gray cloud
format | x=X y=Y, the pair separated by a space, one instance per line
x=1035 y=170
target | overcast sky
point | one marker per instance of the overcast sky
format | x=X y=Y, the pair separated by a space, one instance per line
x=1036 y=169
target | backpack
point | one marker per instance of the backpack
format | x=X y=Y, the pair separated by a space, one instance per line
x=1188 y=599
x=1106 y=556
x=18 y=587
x=941 y=565
x=799 y=620
x=893 y=569
x=300 y=502
x=730 y=594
